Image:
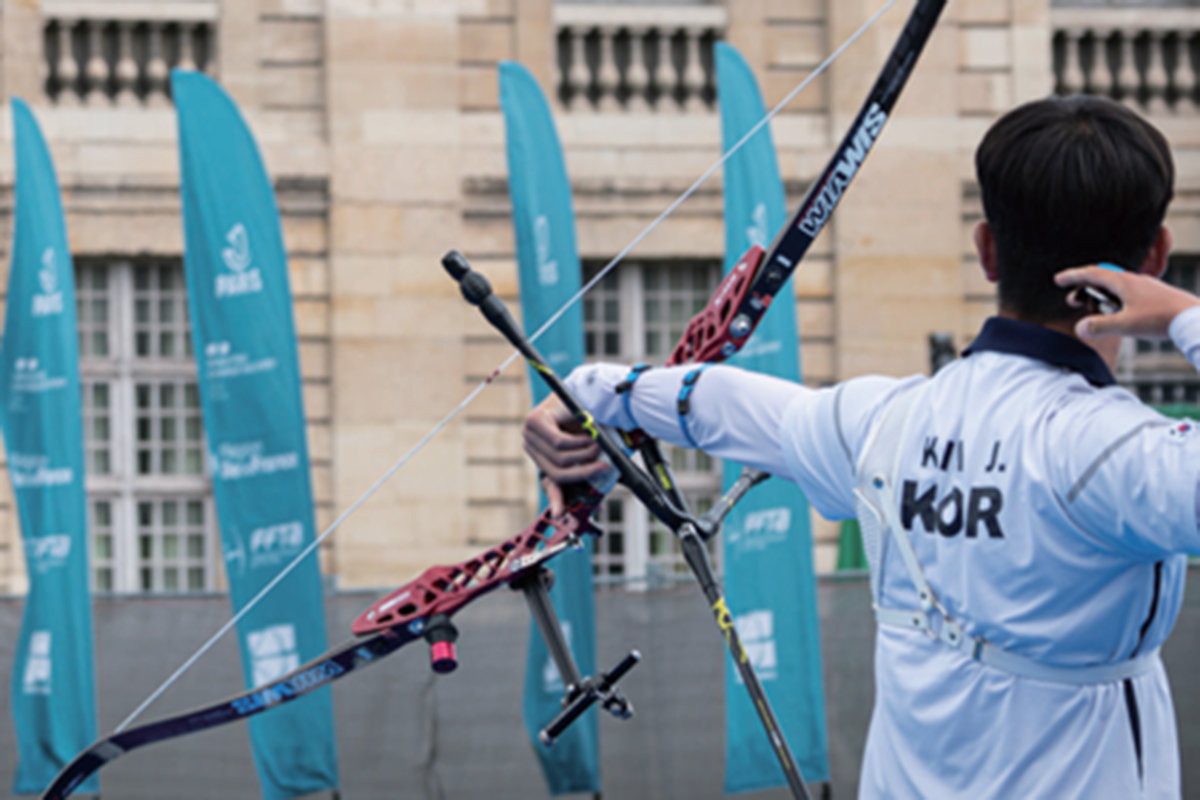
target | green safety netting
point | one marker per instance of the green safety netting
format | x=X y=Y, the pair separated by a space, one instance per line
x=850 y=547
x=1179 y=411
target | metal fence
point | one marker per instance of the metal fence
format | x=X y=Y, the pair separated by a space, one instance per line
x=405 y=733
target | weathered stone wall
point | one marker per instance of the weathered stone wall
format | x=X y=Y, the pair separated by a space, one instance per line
x=118 y=168
x=380 y=125
x=395 y=138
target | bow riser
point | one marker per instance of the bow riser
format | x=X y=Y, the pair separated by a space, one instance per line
x=707 y=337
x=446 y=589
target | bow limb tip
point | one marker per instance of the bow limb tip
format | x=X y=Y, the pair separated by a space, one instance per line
x=456 y=264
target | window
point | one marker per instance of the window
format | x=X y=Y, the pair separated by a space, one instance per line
x=1154 y=370
x=638 y=313
x=150 y=507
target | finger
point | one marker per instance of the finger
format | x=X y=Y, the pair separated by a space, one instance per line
x=1100 y=325
x=570 y=470
x=1092 y=276
x=550 y=438
x=554 y=494
x=548 y=428
x=577 y=474
x=547 y=419
x=547 y=455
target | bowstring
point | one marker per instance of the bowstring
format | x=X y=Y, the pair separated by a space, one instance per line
x=437 y=428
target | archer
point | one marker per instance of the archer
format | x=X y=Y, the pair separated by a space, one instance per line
x=1025 y=519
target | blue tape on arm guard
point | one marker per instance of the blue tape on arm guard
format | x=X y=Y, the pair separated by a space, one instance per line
x=684 y=404
x=1108 y=266
x=625 y=389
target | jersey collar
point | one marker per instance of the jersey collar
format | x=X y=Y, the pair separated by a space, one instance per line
x=1003 y=335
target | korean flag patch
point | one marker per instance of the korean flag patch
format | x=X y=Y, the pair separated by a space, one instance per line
x=1182 y=430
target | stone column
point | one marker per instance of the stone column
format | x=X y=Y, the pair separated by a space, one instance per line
x=22 y=62
x=747 y=30
x=397 y=320
x=533 y=33
x=897 y=234
x=3 y=50
x=21 y=75
x=1032 y=70
x=239 y=52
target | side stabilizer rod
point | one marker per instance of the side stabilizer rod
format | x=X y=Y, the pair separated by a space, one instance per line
x=603 y=688
x=580 y=692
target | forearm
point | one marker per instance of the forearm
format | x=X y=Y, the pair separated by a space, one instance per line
x=732 y=413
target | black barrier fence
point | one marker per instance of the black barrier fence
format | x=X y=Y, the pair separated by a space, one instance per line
x=404 y=732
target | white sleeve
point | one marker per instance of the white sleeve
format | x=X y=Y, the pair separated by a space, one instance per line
x=1132 y=477
x=807 y=436
x=1129 y=477
x=824 y=432
x=732 y=413
x=1185 y=333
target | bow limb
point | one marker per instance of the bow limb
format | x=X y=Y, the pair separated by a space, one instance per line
x=738 y=305
x=391 y=623
x=321 y=671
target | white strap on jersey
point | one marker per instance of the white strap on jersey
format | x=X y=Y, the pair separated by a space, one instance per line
x=878 y=517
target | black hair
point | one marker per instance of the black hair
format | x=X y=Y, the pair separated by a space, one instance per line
x=1068 y=181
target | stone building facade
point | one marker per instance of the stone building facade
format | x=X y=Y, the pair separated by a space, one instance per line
x=380 y=125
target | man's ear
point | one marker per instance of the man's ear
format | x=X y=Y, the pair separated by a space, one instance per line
x=985 y=246
x=1156 y=260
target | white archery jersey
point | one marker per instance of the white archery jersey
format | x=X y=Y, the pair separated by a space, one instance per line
x=1050 y=512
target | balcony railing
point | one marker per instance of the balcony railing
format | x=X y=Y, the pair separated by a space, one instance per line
x=1144 y=4
x=1148 y=58
x=102 y=54
x=632 y=58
